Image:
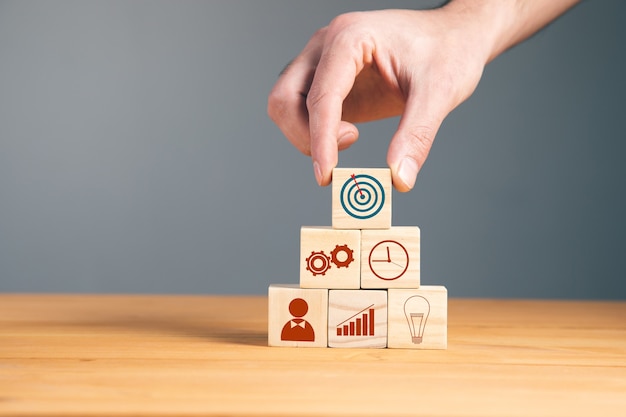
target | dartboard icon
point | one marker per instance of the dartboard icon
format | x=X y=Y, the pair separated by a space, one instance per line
x=362 y=196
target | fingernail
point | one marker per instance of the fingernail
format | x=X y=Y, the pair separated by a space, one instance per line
x=318 y=172
x=407 y=171
x=345 y=139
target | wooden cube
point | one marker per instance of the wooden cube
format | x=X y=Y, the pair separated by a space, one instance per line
x=390 y=258
x=418 y=319
x=357 y=318
x=330 y=258
x=297 y=317
x=361 y=198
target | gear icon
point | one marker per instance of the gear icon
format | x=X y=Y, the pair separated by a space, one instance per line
x=349 y=258
x=318 y=263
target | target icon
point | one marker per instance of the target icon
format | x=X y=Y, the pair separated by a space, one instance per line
x=362 y=196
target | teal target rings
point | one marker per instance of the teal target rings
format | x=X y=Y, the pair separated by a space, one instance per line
x=362 y=196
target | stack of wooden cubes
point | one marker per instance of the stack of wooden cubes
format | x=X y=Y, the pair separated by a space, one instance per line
x=359 y=278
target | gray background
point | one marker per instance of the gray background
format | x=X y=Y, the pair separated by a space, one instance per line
x=136 y=154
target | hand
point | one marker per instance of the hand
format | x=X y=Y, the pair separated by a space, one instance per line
x=367 y=66
x=372 y=65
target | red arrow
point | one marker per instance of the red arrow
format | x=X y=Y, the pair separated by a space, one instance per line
x=357 y=184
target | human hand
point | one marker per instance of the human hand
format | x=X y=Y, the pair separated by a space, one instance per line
x=372 y=65
x=421 y=65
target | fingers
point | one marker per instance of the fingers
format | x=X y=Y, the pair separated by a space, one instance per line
x=286 y=104
x=413 y=140
x=338 y=67
x=306 y=102
x=287 y=107
x=348 y=134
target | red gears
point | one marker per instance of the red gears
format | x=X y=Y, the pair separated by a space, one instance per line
x=347 y=258
x=318 y=263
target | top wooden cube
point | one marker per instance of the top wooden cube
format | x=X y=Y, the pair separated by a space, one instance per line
x=361 y=198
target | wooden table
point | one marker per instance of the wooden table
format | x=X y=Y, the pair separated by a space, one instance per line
x=93 y=355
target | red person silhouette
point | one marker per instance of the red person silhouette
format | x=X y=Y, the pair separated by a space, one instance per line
x=298 y=329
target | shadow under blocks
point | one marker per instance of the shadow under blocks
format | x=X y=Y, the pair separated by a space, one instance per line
x=359 y=278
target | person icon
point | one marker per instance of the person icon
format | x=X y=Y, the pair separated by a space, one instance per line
x=298 y=329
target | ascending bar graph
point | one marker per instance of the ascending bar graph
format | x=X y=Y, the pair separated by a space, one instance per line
x=362 y=325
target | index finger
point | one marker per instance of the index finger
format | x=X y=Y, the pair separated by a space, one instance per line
x=340 y=63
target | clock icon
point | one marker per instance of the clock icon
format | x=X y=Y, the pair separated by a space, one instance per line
x=388 y=260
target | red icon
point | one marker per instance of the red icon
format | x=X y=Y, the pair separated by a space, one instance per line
x=388 y=260
x=318 y=263
x=360 y=326
x=298 y=329
x=357 y=185
x=342 y=256
x=416 y=310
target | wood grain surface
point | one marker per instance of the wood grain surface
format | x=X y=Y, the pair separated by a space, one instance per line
x=99 y=355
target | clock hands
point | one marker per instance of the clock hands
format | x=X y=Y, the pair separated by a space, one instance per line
x=388 y=260
x=399 y=258
x=384 y=260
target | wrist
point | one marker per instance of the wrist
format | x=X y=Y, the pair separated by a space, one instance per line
x=483 y=23
x=501 y=24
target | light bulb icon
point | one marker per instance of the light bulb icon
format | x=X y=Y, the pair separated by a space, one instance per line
x=416 y=310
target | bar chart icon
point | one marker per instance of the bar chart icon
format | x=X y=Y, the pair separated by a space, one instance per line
x=359 y=324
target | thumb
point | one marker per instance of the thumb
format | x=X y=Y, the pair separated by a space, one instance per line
x=411 y=143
